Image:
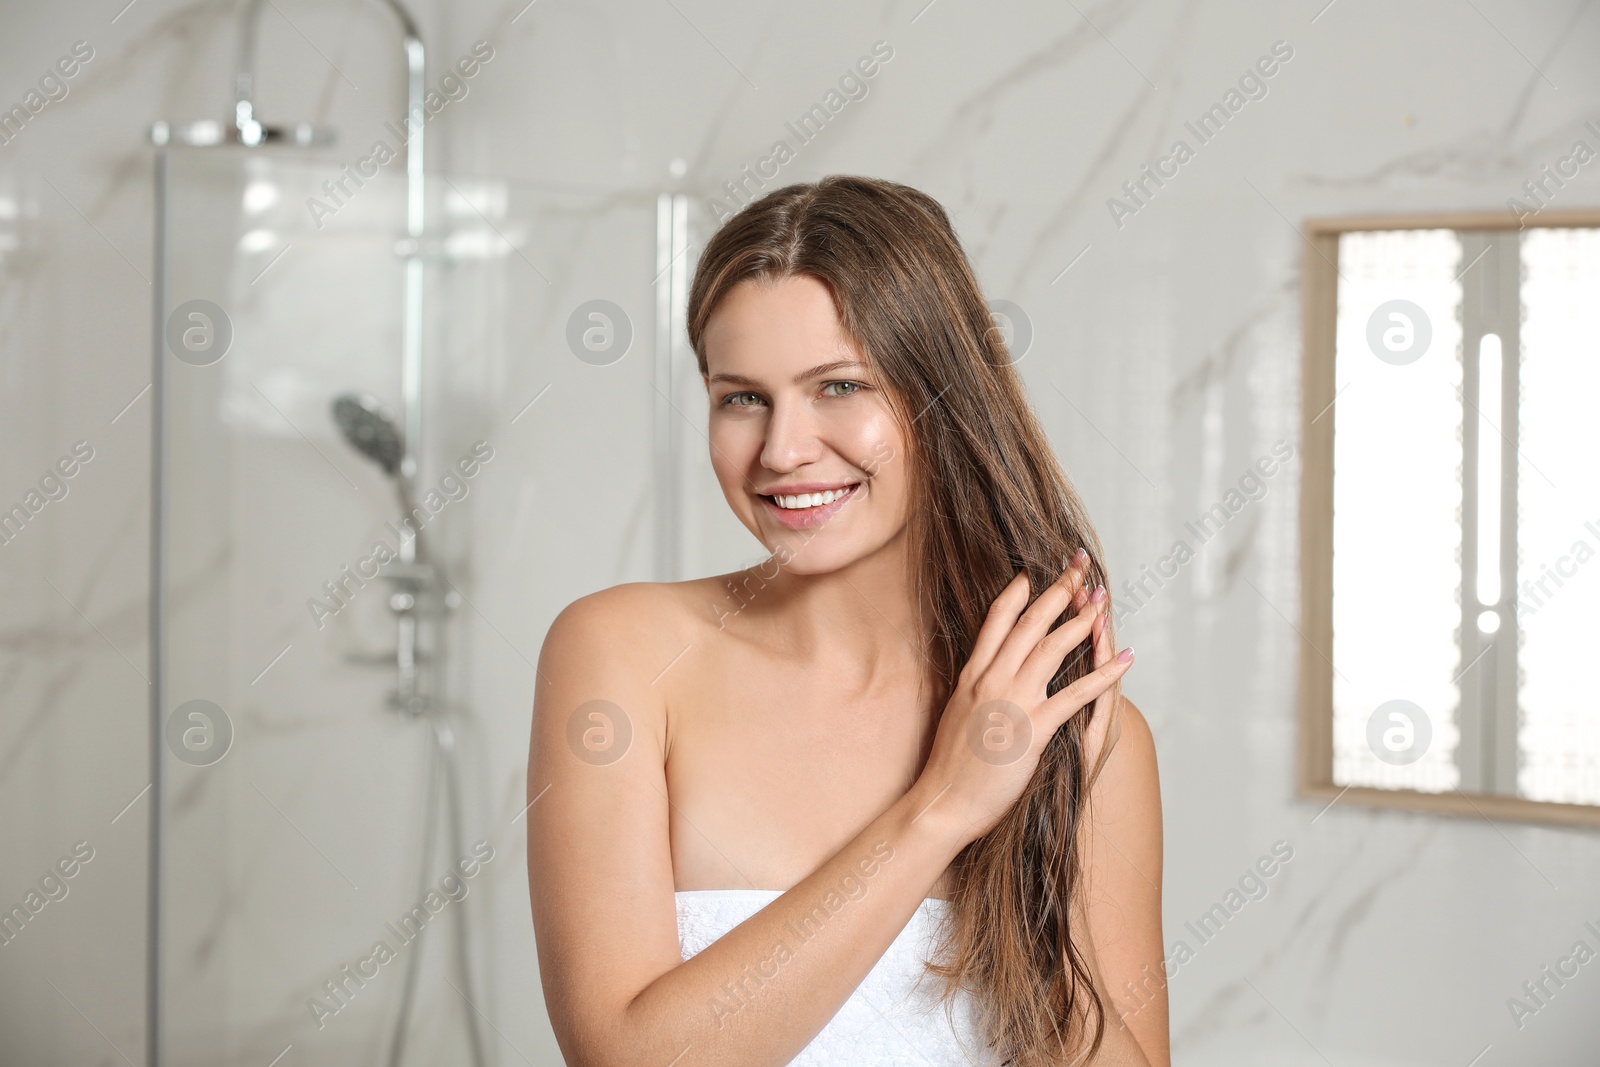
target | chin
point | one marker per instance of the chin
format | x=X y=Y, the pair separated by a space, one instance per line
x=813 y=559
x=804 y=553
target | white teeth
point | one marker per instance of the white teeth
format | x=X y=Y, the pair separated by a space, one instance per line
x=810 y=500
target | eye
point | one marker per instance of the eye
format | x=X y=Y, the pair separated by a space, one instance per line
x=735 y=400
x=854 y=387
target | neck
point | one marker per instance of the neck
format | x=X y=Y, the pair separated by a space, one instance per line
x=859 y=620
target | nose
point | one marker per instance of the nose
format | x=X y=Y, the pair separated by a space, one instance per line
x=792 y=439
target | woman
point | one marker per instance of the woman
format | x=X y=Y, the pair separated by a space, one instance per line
x=762 y=802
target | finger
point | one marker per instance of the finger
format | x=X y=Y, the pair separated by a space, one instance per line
x=1058 y=648
x=1080 y=596
x=1094 y=737
x=1078 y=585
x=1102 y=641
x=1067 y=703
x=1002 y=617
x=1076 y=579
x=1032 y=625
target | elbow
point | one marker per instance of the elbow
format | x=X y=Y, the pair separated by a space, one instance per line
x=614 y=1040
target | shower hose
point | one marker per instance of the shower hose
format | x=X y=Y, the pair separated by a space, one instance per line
x=441 y=764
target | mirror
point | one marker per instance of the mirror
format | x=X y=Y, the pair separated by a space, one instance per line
x=1450 y=548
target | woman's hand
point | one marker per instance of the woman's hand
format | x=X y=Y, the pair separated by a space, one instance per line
x=997 y=722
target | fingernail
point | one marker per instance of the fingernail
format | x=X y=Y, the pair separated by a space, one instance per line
x=1126 y=655
x=1081 y=557
x=1099 y=593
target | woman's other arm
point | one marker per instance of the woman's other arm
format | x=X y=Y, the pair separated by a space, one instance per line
x=1122 y=896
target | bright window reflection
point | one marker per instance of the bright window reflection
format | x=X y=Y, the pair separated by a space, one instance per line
x=1397 y=498
x=1558 y=517
x=1490 y=443
x=1400 y=591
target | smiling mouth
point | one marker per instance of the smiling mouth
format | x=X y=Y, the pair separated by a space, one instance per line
x=807 y=501
x=803 y=511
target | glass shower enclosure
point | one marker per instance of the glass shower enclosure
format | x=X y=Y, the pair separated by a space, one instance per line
x=313 y=887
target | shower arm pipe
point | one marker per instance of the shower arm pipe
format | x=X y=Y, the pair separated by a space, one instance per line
x=251 y=132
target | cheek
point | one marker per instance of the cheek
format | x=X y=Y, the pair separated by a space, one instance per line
x=877 y=447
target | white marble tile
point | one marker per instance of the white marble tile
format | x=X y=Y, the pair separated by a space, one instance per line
x=1390 y=939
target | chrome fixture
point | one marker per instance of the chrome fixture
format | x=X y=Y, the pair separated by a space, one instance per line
x=422 y=597
x=421 y=593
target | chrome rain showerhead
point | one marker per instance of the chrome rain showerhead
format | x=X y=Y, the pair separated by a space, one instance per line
x=369 y=430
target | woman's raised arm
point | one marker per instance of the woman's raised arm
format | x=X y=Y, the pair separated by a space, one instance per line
x=601 y=880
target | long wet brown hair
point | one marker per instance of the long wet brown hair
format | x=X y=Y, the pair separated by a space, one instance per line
x=987 y=499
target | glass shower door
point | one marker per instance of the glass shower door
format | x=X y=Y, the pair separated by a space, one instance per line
x=295 y=796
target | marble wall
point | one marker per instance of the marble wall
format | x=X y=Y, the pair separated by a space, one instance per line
x=1164 y=362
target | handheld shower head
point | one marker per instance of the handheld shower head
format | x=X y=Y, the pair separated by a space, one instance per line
x=372 y=433
x=369 y=430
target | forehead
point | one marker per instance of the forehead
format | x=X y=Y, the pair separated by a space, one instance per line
x=776 y=328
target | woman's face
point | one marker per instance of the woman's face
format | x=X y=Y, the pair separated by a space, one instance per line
x=803 y=441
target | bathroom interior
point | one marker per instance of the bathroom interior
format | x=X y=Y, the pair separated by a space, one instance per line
x=342 y=346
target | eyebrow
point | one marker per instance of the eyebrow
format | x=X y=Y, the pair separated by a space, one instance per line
x=818 y=370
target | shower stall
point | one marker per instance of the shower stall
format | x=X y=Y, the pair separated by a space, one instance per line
x=391 y=440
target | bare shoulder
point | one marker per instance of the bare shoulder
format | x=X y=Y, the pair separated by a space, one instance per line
x=656 y=614
x=625 y=622
x=1127 y=794
x=645 y=610
x=631 y=609
x=613 y=644
x=1134 y=739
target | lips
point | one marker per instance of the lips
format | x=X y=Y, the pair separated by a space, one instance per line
x=807 y=517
